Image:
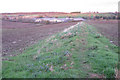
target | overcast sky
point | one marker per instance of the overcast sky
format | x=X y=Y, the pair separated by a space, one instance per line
x=58 y=5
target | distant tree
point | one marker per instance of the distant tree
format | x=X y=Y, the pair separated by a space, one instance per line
x=76 y=12
x=109 y=17
x=100 y=16
x=47 y=22
x=97 y=17
x=40 y=17
x=113 y=17
x=104 y=17
x=84 y=17
x=118 y=17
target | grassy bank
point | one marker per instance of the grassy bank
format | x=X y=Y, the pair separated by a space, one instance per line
x=76 y=52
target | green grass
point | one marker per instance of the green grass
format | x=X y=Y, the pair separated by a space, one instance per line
x=88 y=15
x=76 y=53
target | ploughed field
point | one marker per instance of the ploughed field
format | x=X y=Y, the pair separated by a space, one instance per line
x=108 y=28
x=16 y=36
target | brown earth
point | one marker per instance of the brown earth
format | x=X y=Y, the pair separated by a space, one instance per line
x=108 y=28
x=16 y=36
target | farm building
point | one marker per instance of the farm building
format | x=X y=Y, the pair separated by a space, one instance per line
x=37 y=20
x=57 y=20
x=78 y=19
x=48 y=19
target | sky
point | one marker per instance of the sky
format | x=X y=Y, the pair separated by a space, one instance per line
x=10 y=6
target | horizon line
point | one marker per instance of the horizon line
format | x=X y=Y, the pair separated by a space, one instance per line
x=62 y=12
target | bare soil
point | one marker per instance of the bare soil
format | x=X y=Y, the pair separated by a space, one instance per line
x=16 y=36
x=108 y=28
